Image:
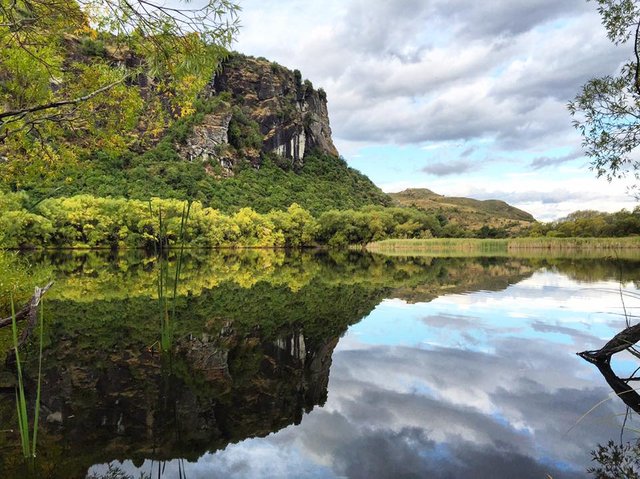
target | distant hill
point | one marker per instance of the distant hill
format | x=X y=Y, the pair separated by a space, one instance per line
x=468 y=213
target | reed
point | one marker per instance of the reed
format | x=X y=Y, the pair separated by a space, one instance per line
x=168 y=314
x=36 y=414
x=518 y=247
x=21 y=402
x=28 y=440
x=439 y=244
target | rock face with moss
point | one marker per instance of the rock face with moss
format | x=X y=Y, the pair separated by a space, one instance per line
x=271 y=110
x=207 y=138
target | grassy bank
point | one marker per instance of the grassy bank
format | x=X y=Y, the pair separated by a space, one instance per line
x=519 y=247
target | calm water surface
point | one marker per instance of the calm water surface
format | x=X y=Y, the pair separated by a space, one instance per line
x=326 y=365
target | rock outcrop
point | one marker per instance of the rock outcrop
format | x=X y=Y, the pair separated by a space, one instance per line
x=207 y=137
x=278 y=112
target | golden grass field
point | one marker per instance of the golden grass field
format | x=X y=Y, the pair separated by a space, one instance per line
x=521 y=247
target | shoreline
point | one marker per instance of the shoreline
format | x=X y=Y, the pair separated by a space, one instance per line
x=623 y=247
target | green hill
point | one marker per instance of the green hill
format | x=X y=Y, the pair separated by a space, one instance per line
x=259 y=137
x=325 y=182
x=466 y=213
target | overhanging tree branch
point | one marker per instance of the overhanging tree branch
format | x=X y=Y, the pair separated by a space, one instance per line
x=72 y=47
x=637 y=53
x=58 y=104
x=606 y=111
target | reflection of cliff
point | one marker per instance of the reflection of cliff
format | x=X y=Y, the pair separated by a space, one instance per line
x=112 y=396
x=212 y=392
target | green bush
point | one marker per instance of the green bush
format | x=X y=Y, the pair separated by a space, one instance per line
x=86 y=221
x=18 y=278
x=92 y=47
x=244 y=132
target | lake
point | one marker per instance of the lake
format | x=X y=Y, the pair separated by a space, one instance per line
x=324 y=365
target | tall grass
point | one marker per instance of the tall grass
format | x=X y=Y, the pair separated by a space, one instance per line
x=518 y=247
x=167 y=313
x=27 y=440
x=631 y=242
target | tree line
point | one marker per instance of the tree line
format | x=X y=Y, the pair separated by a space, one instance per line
x=591 y=224
x=85 y=221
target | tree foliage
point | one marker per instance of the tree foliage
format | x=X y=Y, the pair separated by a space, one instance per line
x=82 y=75
x=86 y=221
x=606 y=111
x=591 y=224
x=616 y=461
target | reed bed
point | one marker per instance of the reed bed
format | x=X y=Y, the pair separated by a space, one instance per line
x=628 y=248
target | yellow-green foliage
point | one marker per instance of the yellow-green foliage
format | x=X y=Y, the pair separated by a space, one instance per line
x=18 y=278
x=85 y=221
x=88 y=222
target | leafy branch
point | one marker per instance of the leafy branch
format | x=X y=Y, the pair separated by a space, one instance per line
x=606 y=111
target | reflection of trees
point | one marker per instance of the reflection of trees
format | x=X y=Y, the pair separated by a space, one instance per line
x=91 y=276
x=597 y=269
x=254 y=334
x=115 y=472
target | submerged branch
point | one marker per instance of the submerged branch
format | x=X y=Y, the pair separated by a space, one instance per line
x=29 y=311
x=625 y=339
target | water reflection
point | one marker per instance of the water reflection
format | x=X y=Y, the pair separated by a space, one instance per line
x=617 y=458
x=460 y=368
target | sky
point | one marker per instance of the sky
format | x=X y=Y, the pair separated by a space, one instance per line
x=465 y=98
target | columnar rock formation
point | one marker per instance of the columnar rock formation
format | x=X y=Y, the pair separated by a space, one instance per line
x=288 y=114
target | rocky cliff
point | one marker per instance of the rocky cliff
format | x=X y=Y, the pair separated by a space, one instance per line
x=267 y=109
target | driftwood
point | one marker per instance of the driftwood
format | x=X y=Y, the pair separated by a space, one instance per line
x=624 y=340
x=29 y=312
x=621 y=341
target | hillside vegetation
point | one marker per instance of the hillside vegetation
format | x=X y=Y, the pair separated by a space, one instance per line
x=494 y=218
x=229 y=152
x=322 y=184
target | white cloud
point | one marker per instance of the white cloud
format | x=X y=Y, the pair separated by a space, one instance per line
x=432 y=73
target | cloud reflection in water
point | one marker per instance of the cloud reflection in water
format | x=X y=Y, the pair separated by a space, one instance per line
x=458 y=387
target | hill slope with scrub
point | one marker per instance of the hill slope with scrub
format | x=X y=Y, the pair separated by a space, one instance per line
x=494 y=218
x=257 y=136
x=254 y=142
